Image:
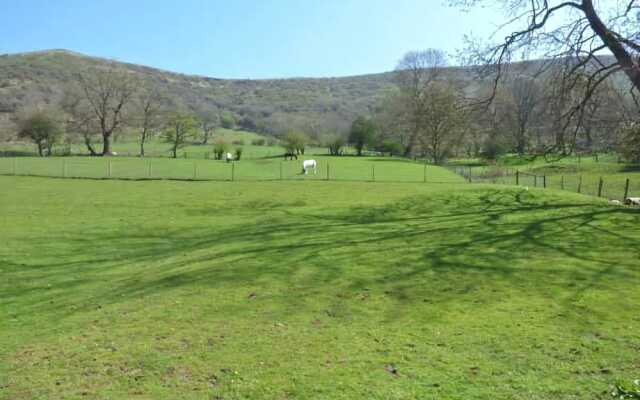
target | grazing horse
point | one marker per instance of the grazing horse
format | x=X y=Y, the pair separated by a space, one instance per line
x=307 y=164
x=228 y=157
x=290 y=156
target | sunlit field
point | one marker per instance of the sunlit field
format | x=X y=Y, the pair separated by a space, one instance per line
x=314 y=289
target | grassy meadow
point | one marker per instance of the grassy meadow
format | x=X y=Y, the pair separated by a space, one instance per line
x=119 y=289
x=573 y=173
x=350 y=168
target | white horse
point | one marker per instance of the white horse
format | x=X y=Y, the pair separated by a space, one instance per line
x=307 y=164
x=228 y=157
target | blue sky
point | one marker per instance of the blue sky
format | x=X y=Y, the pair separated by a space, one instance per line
x=242 y=38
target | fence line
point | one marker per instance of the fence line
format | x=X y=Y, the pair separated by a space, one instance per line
x=611 y=188
x=201 y=170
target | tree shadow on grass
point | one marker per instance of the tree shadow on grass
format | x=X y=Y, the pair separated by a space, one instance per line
x=438 y=246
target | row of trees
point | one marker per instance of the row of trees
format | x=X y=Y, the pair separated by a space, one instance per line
x=104 y=103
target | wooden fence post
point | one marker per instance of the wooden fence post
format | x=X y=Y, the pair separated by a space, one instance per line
x=233 y=171
x=562 y=182
x=626 y=189
x=109 y=168
x=280 y=170
x=580 y=184
x=373 y=173
x=517 y=178
x=424 y=174
x=327 y=171
x=600 y=183
x=535 y=181
x=544 y=181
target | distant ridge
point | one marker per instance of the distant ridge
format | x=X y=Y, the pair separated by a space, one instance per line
x=263 y=105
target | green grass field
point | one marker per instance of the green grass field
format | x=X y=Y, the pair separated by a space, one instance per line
x=348 y=168
x=127 y=145
x=569 y=173
x=311 y=289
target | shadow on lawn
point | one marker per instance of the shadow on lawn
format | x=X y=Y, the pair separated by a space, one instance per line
x=436 y=247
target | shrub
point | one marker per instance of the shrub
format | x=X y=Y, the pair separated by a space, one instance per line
x=630 y=142
x=295 y=142
x=362 y=133
x=391 y=147
x=227 y=120
x=492 y=148
x=238 y=153
x=42 y=129
x=258 y=142
x=238 y=142
x=219 y=148
x=335 y=143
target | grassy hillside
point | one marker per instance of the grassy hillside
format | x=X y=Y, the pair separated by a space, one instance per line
x=29 y=78
x=335 y=290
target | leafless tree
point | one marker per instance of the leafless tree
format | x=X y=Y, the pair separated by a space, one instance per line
x=79 y=120
x=414 y=73
x=148 y=104
x=209 y=119
x=107 y=93
x=523 y=99
x=443 y=122
x=581 y=34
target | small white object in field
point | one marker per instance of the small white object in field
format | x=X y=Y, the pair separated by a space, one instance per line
x=228 y=157
x=113 y=153
x=307 y=164
x=615 y=202
x=632 y=201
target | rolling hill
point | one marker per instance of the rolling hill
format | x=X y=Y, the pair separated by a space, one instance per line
x=268 y=105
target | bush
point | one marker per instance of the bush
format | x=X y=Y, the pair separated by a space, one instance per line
x=492 y=148
x=335 y=143
x=362 y=133
x=238 y=142
x=219 y=148
x=258 y=142
x=42 y=129
x=630 y=143
x=390 y=147
x=227 y=120
x=238 y=153
x=295 y=142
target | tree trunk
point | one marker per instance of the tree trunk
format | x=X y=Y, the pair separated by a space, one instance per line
x=106 y=145
x=143 y=137
x=39 y=145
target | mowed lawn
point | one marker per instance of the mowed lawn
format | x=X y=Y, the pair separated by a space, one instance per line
x=307 y=290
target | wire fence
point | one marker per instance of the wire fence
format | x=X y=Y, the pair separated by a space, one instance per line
x=347 y=169
x=613 y=186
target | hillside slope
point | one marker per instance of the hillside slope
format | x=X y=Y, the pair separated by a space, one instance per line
x=42 y=77
x=258 y=105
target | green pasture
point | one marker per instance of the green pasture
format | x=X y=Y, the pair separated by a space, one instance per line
x=117 y=289
x=576 y=174
x=379 y=169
